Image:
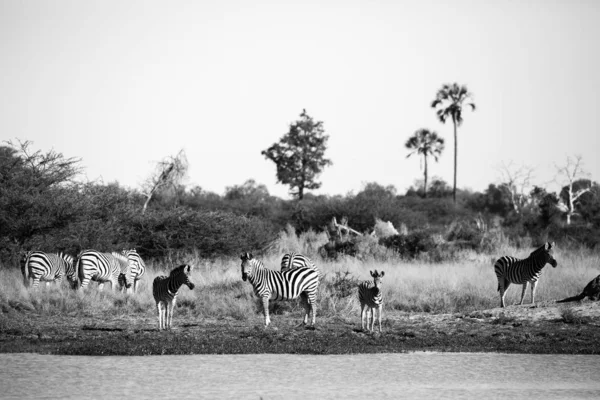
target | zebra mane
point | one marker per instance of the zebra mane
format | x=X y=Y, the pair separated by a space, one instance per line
x=546 y=247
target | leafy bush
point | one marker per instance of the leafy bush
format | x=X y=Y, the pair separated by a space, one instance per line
x=411 y=245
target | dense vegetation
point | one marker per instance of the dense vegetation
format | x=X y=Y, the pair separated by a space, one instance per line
x=43 y=206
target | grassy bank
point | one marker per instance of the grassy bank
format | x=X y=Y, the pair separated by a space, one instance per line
x=433 y=304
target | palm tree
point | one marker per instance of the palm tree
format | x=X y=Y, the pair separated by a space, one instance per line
x=449 y=102
x=426 y=143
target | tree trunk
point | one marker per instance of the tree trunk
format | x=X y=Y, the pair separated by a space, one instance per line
x=425 y=178
x=455 y=158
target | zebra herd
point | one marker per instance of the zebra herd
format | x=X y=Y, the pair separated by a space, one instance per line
x=122 y=269
x=298 y=278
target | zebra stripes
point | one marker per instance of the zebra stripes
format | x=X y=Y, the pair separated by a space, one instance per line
x=138 y=269
x=164 y=290
x=293 y=260
x=371 y=298
x=287 y=285
x=103 y=267
x=38 y=266
x=512 y=270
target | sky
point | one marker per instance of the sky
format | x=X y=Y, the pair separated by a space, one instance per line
x=124 y=84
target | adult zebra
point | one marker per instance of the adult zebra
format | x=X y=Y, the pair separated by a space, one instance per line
x=38 y=266
x=293 y=260
x=513 y=270
x=371 y=298
x=138 y=268
x=164 y=290
x=93 y=265
x=287 y=285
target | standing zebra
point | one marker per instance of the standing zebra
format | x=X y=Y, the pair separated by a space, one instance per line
x=295 y=260
x=287 y=285
x=164 y=290
x=513 y=270
x=39 y=266
x=103 y=267
x=138 y=268
x=371 y=298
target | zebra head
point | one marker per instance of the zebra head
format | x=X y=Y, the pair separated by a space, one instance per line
x=246 y=265
x=126 y=265
x=377 y=277
x=543 y=255
x=182 y=275
x=548 y=250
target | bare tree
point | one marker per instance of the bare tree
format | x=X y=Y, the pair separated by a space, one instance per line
x=168 y=173
x=571 y=172
x=517 y=179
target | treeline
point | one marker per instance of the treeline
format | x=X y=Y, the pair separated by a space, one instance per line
x=44 y=207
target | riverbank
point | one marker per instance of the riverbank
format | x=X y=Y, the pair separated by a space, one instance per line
x=547 y=328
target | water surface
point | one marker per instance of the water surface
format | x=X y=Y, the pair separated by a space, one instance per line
x=412 y=375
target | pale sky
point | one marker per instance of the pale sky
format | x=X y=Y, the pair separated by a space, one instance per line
x=122 y=84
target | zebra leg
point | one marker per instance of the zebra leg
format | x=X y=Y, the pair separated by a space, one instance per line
x=533 y=285
x=101 y=286
x=523 y=292
x=265 y=301
x=502 y=288
x=372 y=319
x=380 y=310
x=362 y=316
x=36 y=282
x=313 y=307
x=170 y=313
x=160 y=315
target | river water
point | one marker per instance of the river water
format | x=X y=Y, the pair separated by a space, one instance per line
x=266 y=376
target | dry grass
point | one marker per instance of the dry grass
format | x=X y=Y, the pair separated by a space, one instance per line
x=220 y=293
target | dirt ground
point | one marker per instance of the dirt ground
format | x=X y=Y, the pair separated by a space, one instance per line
x=546 y=328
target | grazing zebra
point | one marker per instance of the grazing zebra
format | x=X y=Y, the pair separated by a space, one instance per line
x=164 y=290
x=38 y=266
x=103 y=267
x=138 y=269
x=295 y=260
x=513 y=270
x=371 y=298
x=285 y=285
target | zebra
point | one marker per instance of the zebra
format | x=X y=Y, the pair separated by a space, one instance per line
x=287 y=285
x=138 y=268
x=591 y=291
x=38 y=266
x=103 y=267
x=293 y=260
x=371 y=298
x=513 y=270
x=164 y=290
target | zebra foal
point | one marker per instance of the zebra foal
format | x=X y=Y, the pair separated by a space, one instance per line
x=287 y=285
x=38 y=266
x=371 y=298
x=522 y=271
x=164 y=290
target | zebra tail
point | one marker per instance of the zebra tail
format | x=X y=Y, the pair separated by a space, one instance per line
x=574 y=298
x=25 y=272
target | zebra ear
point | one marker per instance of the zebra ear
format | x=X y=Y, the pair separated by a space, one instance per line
x=373 y=274
x=382 y=274
x=189 y=268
